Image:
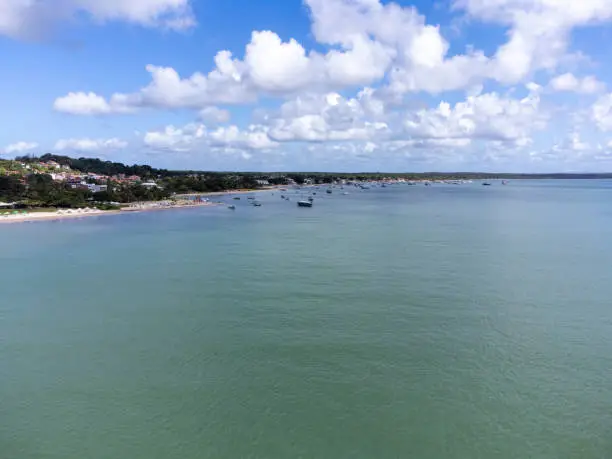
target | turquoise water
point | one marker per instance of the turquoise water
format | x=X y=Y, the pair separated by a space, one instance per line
x=407 y=322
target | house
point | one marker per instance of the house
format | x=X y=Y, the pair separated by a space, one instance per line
x=262 y=182
x=150 y=185
x=94 y=188
x=52 y=165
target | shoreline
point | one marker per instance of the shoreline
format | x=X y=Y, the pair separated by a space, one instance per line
x=229 y=192
x=150 y=206
x=53 y=216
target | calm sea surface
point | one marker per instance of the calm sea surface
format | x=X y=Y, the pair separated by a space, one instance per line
x=406 y=322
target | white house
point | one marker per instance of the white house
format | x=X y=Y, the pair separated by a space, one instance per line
x=97 y=188
x=150 y=185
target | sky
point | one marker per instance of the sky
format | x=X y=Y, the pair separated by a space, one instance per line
x=311 y=85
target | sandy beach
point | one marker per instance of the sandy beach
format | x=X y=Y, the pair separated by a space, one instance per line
x=46 y=216
x=73 y=214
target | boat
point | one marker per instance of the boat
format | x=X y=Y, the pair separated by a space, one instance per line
x=304 y=204
x=310 y=199
x=504 y=182
x=345 y=193
x=231 y=207
x=486 y=184
x=237 y=198
x=329 y=191
x=256 y=204
x=251 y=197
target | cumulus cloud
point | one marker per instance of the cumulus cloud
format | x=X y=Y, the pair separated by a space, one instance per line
x=81 y=103
x=196 y=136
x=329 y=117
x=575 y=143
x=369 y=42
x=359 y=86
x=168 y=90
x=30 y=19
x=601 y=112
x=20 y=147
x=90 y=145
x=539 y=30
x=486 y=117
x=214 y=115
x=568 y=82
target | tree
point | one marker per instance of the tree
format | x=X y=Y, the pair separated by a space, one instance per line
x=11 y=188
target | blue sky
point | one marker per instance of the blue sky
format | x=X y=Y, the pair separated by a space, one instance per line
x=355 y=85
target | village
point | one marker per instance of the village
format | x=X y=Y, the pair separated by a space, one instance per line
x=73 y=179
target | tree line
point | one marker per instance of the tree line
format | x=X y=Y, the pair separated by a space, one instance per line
x=39 y=189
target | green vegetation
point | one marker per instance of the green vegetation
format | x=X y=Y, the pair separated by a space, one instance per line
x=95 y=166
x=28 y=181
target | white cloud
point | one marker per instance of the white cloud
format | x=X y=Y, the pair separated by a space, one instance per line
x=487 y=116
x=329 y=117
x=325 y=90
x=223 y=85
x=195 y=136
x=315 y=128
x=369 y=42
x=539 y=30
x=270 y=67
x=601 y=112
x=214 y=115
x=81 y=103
x=429 y=143
x=275 y=66
x=255 y=137
x=168 y=90
x=568 y=82
x=175 y=139
x=20 y=147
x=575 y=143
x=419 y=51
x=90 y=145
x=31 y=18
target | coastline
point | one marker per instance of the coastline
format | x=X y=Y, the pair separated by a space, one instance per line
x=150 y=206
x=53 y=216
x=230 y=192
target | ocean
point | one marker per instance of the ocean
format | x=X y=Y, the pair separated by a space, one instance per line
x=458 y=322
